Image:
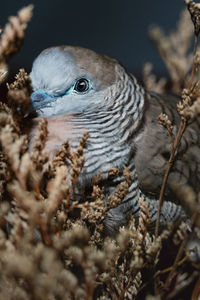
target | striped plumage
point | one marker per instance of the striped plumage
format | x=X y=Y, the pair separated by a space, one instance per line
x=120 y=117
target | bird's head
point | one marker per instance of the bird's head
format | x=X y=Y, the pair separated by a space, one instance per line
x=69 y=80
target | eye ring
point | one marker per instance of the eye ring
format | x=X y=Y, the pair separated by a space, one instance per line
x=82 y=85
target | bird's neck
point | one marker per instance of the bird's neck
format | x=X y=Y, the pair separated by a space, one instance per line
x=116 y=117
x=127 y=104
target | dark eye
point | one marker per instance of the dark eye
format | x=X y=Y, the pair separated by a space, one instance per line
x=82 y=85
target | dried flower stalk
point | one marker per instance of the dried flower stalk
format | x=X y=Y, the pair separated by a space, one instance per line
x=188 y=111
x=174 y=49
x=53 y=248
x=12 y=37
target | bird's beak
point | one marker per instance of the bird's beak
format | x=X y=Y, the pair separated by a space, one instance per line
x=39 y=100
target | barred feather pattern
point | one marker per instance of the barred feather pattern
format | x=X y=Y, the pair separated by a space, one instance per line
x=112 y=128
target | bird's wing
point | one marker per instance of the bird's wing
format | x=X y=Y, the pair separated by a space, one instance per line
x=153 y=147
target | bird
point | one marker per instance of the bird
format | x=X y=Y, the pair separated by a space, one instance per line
x=78 y=91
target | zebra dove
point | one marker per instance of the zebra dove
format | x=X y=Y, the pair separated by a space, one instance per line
x=78 y=90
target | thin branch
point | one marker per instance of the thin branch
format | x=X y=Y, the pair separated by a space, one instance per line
x=175 y=145
x=194 y=61
x=180 y=252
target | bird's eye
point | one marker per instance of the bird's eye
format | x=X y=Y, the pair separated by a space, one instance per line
x=82 y=85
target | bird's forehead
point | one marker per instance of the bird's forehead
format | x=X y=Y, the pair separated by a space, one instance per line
x=58 y=66
x=52 y=68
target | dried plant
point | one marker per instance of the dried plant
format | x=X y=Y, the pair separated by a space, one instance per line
x=18 y=94
x=174 y=50
x=188 y=108
x=150 y=81
x=53 y=248
x=12 y=37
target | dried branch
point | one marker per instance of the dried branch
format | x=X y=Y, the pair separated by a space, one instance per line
x=53 y=248
x=175 y=145
x=19 y=93
x=150 y=82
x=12 y=37
x=174 y=48
x=14 y=32
x=188 y=112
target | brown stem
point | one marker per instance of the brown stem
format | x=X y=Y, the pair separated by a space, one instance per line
x=176 y=142
x=175 y=145
x=194 y=59
x=180 y=252
x=130 y=281
x=196 y=291
x=175 y=264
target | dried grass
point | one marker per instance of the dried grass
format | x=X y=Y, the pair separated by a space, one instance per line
x=52 y=248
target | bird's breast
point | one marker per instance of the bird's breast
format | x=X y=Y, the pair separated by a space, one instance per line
x=60 y=129
x=103 y=150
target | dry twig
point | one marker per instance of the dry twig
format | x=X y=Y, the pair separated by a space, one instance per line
x=185 y=110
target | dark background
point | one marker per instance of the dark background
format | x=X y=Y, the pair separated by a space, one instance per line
x=117 y=28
